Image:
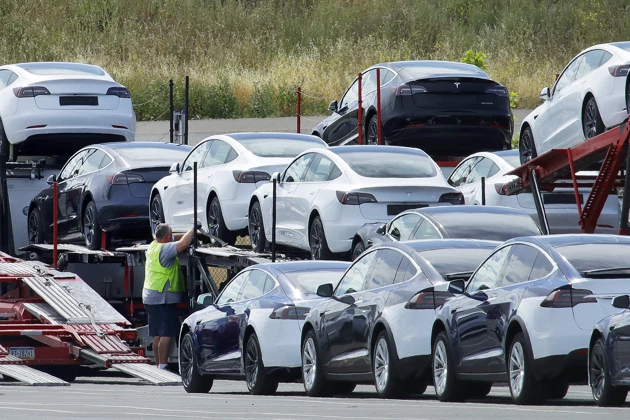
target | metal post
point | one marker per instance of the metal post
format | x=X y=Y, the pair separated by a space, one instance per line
x=5 y=224
x=360 y=110
x=273 y=223
x=195 y=243
x=171 y=109
x=483 y=190
x=540 y=205
x=379 y=134
x=625 y=201
x=55 y=221
x=186 y=110
x=299 y=108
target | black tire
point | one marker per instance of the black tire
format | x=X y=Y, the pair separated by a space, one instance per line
x=193 y=381
x=91 y=227
x=478 y=390
x=256 y=228
x=315 y=385
x=557 y=389
x=371 y=131
x=526 y=146
x=592 y=123
x=342 y=388
x=317 y=241
x=386 y=380
x=156 y=213
x=35 y=227
x=357 y=250
x=258 y=382
x=524 y=388
x=604 y=392
x=447 y=387
x=216 y=225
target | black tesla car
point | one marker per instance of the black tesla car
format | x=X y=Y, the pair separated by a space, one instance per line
x=103 y=187
x=444 y=108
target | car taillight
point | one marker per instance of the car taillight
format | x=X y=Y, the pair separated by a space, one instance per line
x=30 y=92
x=567 y=298
x=406 y=90
x=619 y=71
x=355 y=198
x=497 y=90
x=502 y=189
x=250 y=177
x=428 y=300
x=129 y=335
x=290 y=312
x=453 y=198
x=122 y=178
x=121 y=92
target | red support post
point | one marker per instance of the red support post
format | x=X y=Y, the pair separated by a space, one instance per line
x=103 y=239
x=55 y=221
x=360 y=112
x=379 y=134
x=299 y=107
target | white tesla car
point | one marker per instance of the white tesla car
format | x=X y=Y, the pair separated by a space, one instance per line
x=230 y=167
x=588 y=97
x=47 y=106
x=560 y=204
x=326 y=195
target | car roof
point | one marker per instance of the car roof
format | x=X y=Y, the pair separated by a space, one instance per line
x=437 y=211
x=342 y=150
x=435 y=244
x=297 y=266
x=52 y=66
x=416 y=69
x=558 y=241
x=290 y=136
x=511 y=152
x=142 y=144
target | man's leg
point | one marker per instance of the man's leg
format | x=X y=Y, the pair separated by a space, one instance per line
x=156 y=349
x=165 y=349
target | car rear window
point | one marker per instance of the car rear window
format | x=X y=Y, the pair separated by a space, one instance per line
x=623 y=45
x=512 y=160
x=390 y=164
x=417 y=70
x=309 y=281
x=487 y=226
x=44 y=69
x=468 y=259
x=173 y=154
x=589 y=257
x=279 y=148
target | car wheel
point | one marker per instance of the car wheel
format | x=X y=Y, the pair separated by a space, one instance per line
x=216 y=225
x=258 y=382
x=592 y=123
x=317 y=241
x=193 y=381
x=357 y=250
x=91 y=227
x=386 y=379
x=525 y=389
x=447 y=387
x=35 y=227
x=557 y=389
x=256 y=228
x=156 y=215
x=315 y=384
x=604 y=393
x=478 y=389
x=371 y=136
x=526 y=146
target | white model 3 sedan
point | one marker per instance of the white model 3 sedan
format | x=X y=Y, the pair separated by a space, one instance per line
x=48 y=107
x=230 y=167
x=588 y=97
x=326 y=195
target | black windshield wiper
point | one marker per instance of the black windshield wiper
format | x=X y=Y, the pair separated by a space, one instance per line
x=605 y=270
x=464 y=274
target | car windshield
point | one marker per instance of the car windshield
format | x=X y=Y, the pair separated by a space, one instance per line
x=309 y=281
x=594 y=258
x=171 y=154
x=468 y=259
x=399 y=164
x=487 y=226
x=44 y=69
x=279 y=148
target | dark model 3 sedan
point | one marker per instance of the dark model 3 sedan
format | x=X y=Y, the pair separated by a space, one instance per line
x=438 y=106
x=103 y=188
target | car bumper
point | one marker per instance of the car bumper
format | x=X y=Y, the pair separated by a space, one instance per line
x=124 y=215
x=339 y=233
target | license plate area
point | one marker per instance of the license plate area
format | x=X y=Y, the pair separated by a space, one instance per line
x=395 y=209
x=78 y=100
x=24 y=353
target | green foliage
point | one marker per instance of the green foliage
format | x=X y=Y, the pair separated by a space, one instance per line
x=514 y=100
x=475 y=58
x=517 y=135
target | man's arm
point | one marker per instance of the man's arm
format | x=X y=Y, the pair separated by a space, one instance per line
x=185 y=241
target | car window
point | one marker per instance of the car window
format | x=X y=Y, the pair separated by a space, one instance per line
x=401 y=227
x=567 y=76
x=406 y=270
x=196 y=155
x=351 y=96
x=12 y=79
x=232 y=290
x=220 y=153
x=480 y=169
x=319 y=170
x=519 y=264
x=488 y=276
x=91 y=161
x=335 y=173
x=426 y=230
x=386 y=76
x=459 y=175
x=354 y=278
x=368 y=82
x=72 y=167
x=105 y=161
x=255 y=285
x=385 y=268
x=605 y=57
x=542 y=267
x=589 y=63
x=295 y=172
x=4 y=78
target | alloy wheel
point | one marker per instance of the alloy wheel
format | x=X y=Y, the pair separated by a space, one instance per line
x=316 y=241
x=251 y=363
x=157 y=214
x=591 y=119
x=372 y=136
x=309 y=365
x=597 y=374
x=33 y=228
x=525 y=147
x=440 y=367
x=186 y=361
x=517 y=369
x=88 y=224
x=381 y=365
x=213 y=219
x=254 y=227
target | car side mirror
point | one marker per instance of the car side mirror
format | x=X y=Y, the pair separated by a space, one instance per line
x=457 y=287
x=51 y=180
x=381 y=229
x=174 y=168
x=621 y=302
x=276 y=176
x=333 y=106
x=325 y=290
x=545 y=93
x=205 y=299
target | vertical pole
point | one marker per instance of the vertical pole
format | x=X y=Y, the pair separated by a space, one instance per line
x=186 y=109
x=171 y=109
x=55 y=220
x=379 y=134
x=273 y=223
x=103 y=239
x=299 y=108
x=483 y=190
x=540 y=205
x=576 y=189
x=360 y=110
x=195 y=244
x=5 y=225
x=625 y=201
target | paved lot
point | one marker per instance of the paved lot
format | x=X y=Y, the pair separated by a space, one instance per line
x=122 y=398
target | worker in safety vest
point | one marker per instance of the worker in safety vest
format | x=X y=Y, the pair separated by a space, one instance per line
x=163 y=287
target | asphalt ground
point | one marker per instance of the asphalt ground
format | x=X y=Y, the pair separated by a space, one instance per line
x=126 y=398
